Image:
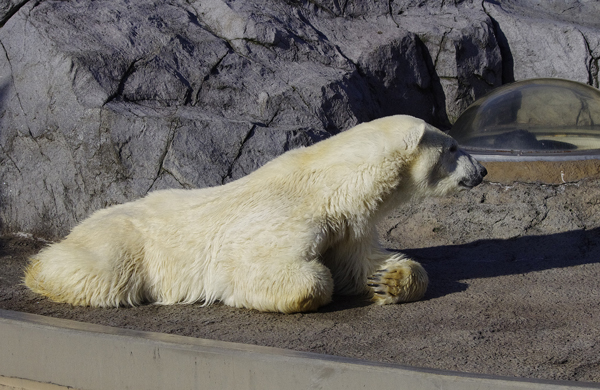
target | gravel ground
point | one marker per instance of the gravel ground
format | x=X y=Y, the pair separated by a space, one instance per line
x=515 y=291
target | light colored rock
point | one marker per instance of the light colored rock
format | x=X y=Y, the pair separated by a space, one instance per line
x=541 y=44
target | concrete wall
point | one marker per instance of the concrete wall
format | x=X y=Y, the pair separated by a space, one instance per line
x=38 y=352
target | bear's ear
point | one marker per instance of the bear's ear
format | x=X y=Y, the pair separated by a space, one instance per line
x=414 y=136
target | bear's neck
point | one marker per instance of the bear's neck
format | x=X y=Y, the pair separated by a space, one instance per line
x=361 y=200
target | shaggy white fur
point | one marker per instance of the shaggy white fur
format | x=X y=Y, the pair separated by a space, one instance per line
x=280 y=239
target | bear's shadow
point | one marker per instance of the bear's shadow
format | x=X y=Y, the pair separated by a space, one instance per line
x=451 y=266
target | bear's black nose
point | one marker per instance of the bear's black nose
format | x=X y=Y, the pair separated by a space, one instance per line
x=483 y=171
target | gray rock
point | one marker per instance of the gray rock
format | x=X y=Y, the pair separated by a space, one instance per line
x=540 y=44
x=101 y=102
x=9 y=8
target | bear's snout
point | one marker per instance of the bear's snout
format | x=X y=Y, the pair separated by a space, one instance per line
x=476 y=176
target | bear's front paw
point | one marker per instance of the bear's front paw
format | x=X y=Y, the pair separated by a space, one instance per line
x=400 y=281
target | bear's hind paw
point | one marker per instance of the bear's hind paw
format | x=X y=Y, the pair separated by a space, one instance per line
x=400 y=281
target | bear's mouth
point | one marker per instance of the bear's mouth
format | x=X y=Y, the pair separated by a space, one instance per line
x=467 y=185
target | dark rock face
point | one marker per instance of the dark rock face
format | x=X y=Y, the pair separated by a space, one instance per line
x=104 y=101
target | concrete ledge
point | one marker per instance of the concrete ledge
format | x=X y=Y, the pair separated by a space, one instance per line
x=54 y=352
x=24 y=384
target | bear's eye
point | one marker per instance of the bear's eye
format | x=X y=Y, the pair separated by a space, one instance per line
x=453 y=149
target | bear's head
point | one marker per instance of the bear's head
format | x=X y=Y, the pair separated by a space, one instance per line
x=388 y=160
x=440 y=166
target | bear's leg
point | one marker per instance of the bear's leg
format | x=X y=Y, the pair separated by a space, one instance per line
x=399 y=279
x=99 y=264
x=77 y=275
x=281 y=286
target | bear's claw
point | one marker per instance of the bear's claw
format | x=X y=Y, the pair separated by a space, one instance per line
x=377 y=289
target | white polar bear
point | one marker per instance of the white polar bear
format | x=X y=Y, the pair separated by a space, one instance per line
x=283 y=238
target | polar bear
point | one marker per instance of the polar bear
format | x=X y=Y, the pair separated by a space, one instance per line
x=283 y=238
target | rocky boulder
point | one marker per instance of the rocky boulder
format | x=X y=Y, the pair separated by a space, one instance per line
x=104 y=101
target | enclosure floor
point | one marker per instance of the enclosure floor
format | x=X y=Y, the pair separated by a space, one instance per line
x=528 y=317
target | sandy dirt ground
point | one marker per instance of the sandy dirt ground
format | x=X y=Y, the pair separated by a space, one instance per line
x=523 y=306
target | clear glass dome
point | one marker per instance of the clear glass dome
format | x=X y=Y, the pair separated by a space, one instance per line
x=538 y=117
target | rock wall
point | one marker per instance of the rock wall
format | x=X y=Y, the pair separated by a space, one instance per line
x=104 y=101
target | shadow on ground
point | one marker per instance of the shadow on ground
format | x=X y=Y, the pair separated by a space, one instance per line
x=449 y=266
